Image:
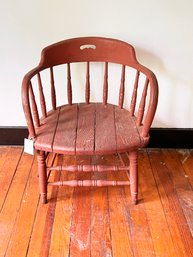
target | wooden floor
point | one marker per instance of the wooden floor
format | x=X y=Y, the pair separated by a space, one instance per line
x=97 y=221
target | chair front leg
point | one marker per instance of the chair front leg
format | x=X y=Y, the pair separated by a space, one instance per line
x=133 y=158
x=42 y=176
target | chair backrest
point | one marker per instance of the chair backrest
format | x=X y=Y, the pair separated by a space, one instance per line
x=89 y=50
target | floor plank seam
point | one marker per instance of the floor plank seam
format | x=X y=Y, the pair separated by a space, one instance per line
x=35 y=216
x=110 y=226
x=18 y=213
x=70 y=229
x=128 y=220
x=70 y=241
x=11 y=181
x=178 y=223
x=178 y=196
x=49 y=221
x=34 y=220
x=152 y=169
x=127 y=212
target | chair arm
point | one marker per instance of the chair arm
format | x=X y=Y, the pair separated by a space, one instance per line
x=148 y=119
x=26 y=101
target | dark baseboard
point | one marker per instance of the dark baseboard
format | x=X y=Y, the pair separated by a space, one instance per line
x=171 y=138
x=13 y=135
x=159 y=137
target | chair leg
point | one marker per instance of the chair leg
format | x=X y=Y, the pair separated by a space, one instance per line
x=42 y=176
x=133 y=158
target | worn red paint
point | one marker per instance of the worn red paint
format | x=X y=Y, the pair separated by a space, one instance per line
x=89 y=129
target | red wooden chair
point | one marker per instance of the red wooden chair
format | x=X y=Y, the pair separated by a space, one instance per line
x=89 y=128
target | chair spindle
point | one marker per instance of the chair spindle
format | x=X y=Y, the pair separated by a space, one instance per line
x=142 y=103
x=134 y=95
x=34 y=106
x=87 y=92
x=105 y=85
x=69 y=85
x=53 y=91
x=89 y=183
x=122 y=88
x=88 y=168
x=42 y=98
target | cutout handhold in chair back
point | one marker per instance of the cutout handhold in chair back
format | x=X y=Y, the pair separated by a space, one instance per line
x=85 y=49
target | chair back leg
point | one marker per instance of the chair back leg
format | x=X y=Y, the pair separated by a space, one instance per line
x=42 y=176
x=133 y=158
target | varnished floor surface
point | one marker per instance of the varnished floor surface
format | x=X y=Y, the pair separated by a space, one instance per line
x=97 y=221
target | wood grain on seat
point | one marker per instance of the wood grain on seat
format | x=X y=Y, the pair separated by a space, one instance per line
x=88 y=128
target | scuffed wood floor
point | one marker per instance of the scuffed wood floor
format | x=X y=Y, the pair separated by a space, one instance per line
x=97 y=221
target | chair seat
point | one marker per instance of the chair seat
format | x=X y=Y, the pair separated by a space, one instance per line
x=88 y=129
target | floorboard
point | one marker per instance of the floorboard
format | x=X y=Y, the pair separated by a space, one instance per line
x=97 y=222
x=80 y=243
x=100 y=220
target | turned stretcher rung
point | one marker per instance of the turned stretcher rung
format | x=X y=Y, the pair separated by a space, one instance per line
x=89 y=183
x=88 y=168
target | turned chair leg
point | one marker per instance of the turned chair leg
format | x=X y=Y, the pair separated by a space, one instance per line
x=133 y=156
x=42 y=176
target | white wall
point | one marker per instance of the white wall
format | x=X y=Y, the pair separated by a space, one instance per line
x=160 y=30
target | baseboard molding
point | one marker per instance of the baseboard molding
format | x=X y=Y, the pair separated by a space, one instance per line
x=13 y=135
x=159 y=137
x=171 y=138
